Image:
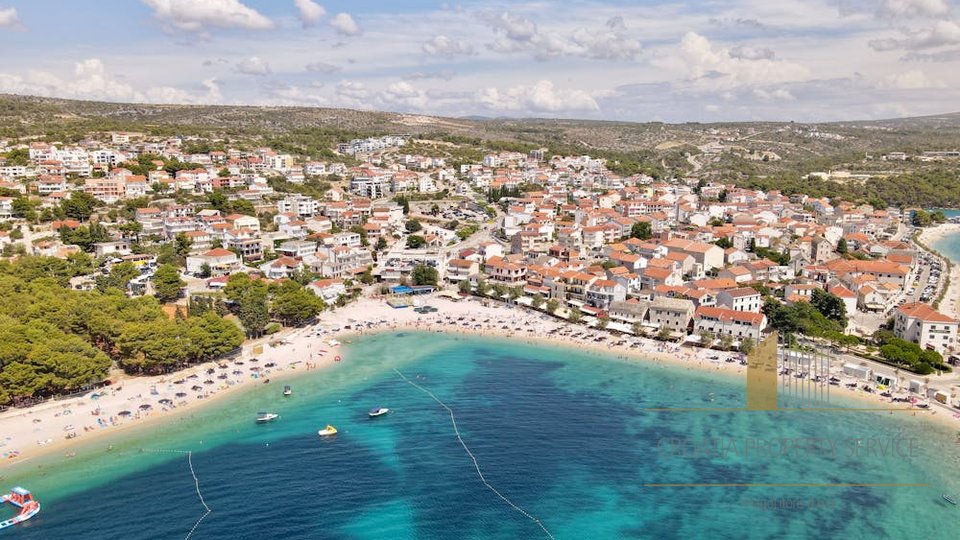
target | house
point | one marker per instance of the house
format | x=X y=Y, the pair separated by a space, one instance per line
x=461 y=269
x=501 y=271
x=654 y=276
x=849 y=298
x=220 y=261
x=729 y=322
x=628 y=312
x=742 y=299
x=297 y=248
x=709 y=256
x=281 y=268
x=675 y=314
x=6 y=208
x=117 y=248
x=328 y=289
x=739 y=274
x=602 y=292
x=926 y=327
x=240 y=221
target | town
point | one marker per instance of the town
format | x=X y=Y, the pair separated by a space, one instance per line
x=702 y=263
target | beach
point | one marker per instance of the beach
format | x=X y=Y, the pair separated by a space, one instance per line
x=54 y=426
x=934 y=237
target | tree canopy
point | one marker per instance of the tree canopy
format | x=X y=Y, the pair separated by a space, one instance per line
x=55 y=339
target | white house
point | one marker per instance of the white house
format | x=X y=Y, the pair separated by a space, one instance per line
x=729 y=322
x=925 y=326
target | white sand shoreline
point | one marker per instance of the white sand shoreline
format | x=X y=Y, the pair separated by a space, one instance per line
x=25 y=429
x=950 y=305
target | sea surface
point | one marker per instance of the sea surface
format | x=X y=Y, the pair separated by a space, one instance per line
x=564 y=439
x=949 y=244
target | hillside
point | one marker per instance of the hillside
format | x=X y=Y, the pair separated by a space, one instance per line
x=794 y=147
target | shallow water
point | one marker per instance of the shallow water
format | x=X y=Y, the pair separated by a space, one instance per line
x=565 y=436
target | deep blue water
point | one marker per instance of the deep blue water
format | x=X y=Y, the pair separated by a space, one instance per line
x=567 y=437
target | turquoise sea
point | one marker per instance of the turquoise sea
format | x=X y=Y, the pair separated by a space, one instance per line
x=949 y=245
x=563 y=436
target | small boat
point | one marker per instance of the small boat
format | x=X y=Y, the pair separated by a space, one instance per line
x=286 y=390
x=327 y=431
x=952 y=499
x=264 y=417
x=23 y=500
x=378 y=411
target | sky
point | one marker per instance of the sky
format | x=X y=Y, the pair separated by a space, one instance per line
x=640 y=60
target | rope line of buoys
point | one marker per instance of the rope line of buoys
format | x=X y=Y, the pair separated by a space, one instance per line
x=476 y=464
x=196 y=483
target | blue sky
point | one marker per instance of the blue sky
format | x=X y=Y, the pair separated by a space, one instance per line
x=804 y=60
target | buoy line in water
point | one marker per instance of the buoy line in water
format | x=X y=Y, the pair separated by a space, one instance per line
x=476 y=464
x=196 y=484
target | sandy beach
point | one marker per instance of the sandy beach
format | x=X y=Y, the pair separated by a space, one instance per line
x=54 y=426
x=930 y=237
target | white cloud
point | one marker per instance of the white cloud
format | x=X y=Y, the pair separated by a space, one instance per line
x=286 y=94
x=781 y=94
x=344 y=24
x=752 y=53
x=516 y=34
x=403 y=94
x=213 y=91
x=310 y=12
x=610 y=43
x=253 y=66
x=949 y=55
x=352 y=91
x=717 y=67
x=9 y=18
x=197 y=15
x=322 y=67
x=539 y=97
x=444 y=46
x=941 y=34
x=90 y=80
x=420 y=75
x=908 y=80
x=913 y=8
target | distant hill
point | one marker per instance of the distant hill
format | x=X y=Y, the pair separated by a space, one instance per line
x=799 y=146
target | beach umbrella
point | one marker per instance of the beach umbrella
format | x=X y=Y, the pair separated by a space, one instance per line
x=237 y=372
x=166 y=401
x=208 y=381
x=196 y=388
x=222 y=376
x=211 y=371
x=181 y=394
x=254 y=360
x=181 y=381
x=145 y=407
x=269 y=364
x=124 y=413
x=194 y=376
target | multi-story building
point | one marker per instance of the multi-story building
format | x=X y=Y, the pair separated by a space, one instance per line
x=742 y=299
x=926 y=327
x=301 y=205
x=737 y=324
x=672 y=313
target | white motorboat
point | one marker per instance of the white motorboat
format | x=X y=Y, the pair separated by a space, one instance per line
x=264 y=417
x=287 y=390
x=327 y=431
x=379 y=411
